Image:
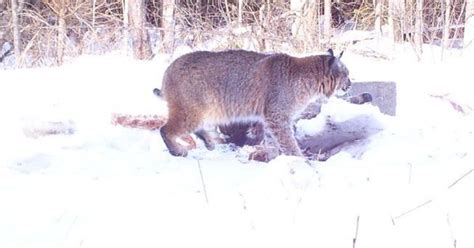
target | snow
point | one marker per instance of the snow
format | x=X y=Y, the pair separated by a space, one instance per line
x=409 y=185
x=337 y=111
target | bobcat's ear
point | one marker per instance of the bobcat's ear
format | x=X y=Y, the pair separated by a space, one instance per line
x=332 y=61
x=330 y=52
x=340 y=55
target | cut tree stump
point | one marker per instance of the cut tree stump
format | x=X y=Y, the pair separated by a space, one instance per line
x=384 y=94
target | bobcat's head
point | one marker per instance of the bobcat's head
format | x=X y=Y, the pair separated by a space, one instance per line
x=339 y=74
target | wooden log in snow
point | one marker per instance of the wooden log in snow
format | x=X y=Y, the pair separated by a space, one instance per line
x=147 y=122
x=47 y=128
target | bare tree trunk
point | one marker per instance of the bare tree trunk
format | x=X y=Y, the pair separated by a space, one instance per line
x=469 y=27
x=227 y=12
x=241 y=9
x=126 y=27
x=327 y=20
x=297 y=29
x=61 y=33
x=305 y=28
x=396 y=20
x=392 y=19
x=94 y=5
x=16 y=32
x=403 y=19
x=21 y=5
x=264 y=14
x=378 y=17
x=319 y=28
x=140 y=39
x=167 y=24
x=419 y=28
x=447 y=22
x=311 y=24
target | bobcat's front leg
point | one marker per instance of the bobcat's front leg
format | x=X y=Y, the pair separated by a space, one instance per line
x=282 y=131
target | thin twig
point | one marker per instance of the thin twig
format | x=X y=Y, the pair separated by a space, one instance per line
x=462 y=177
x=414 y=209
x=451 y=230
x=409 y=173
x=202 y=181
x=431 y=200
x=354 y=240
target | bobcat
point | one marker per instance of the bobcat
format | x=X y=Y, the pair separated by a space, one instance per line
x=252 y=133
x=240 y=86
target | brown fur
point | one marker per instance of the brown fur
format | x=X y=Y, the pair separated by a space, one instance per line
x=222 y=87
x=252 y=133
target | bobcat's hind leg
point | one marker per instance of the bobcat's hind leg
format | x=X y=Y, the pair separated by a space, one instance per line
x=206 y=137
x=169 y=135
x=177 y=126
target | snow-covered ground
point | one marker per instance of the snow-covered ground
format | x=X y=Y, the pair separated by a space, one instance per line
x=409 y=185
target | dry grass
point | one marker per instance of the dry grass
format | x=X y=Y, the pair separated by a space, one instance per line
x=88 y=30
x=96 y=26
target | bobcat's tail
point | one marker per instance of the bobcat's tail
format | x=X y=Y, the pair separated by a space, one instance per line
x=157 y=92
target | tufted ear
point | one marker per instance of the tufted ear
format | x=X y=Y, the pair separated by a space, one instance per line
x=340 y=55
x=330 y=52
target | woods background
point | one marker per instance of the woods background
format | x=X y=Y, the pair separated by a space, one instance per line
x=44 y=32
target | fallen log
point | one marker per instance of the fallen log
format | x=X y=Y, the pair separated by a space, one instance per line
x=138 y=121
x=461 y=108
x=147 y=122
x=46 y=128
